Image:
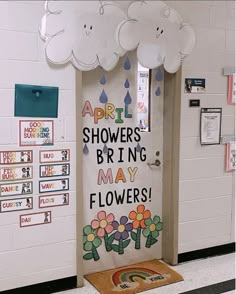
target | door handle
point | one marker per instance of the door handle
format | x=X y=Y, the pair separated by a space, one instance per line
x=156 y=163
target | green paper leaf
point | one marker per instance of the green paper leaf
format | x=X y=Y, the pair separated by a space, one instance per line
x=110 y=239
x=88 y=256
x=126 y=243
x=153 y=241
x=134 y=236
x=115 y=248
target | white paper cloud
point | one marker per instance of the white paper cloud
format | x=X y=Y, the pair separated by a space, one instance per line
x=159 y=34
x=82 y=32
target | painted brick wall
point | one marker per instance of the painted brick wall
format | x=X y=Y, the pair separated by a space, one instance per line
x=41 y=253
x=206 y=208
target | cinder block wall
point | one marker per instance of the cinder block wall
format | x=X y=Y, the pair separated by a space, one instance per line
x=41 y=253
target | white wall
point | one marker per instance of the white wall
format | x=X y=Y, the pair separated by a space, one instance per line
x=41 y=253
x=206 y=190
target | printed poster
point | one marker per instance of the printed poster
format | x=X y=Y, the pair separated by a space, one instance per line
x=195 y=86
x=210 y=125
x=120 y=204
x=54 y=156
x=16 y=173
x=36 y=132
x=16 y=157
x=35 y=219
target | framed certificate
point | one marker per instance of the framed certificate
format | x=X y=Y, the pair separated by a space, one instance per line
x=210 y=126
x=231 y=156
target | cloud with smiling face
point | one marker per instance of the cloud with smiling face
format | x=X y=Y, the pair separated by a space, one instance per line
x=159 y=34
x=82 y=32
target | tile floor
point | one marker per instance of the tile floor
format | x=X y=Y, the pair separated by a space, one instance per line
x=197 y=274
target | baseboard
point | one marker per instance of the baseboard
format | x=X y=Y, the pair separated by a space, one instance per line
x=46 y=288
x=207 y=252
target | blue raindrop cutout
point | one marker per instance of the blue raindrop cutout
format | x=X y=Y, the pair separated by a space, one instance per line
x=127 y=84
x=127 y=65
x=128 y=98
x=159 y=75
x=158 y=91
x=103 y=80
x=138 y=148
x=85 y=149
x=105 y=149
x=103 y=97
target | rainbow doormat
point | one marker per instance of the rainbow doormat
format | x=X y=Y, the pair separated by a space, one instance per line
x=134 y=278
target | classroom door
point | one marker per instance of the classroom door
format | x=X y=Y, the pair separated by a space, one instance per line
x=122 y=165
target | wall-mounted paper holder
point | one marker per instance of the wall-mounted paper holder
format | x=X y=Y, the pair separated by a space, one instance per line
x=36 y=101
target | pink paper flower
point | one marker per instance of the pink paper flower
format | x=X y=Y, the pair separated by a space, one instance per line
x=103 y=224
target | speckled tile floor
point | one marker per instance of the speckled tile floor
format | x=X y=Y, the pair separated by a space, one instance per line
x=197 y=274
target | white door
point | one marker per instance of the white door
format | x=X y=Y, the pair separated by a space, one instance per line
x=122 y=170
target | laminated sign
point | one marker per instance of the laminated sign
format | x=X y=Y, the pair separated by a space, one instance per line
x=36 y=132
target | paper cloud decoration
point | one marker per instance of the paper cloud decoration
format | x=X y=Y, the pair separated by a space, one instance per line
x=159 y=34
x=82 y=32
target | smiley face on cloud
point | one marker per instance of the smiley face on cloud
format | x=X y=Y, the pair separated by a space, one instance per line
x=159 y=34
x=82 y=32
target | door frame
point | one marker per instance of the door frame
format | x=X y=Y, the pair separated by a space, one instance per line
x=171 y=157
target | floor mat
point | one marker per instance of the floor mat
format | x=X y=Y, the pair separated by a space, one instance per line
x=134 y=278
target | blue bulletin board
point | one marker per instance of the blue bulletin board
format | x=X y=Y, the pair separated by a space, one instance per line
x=36 y=101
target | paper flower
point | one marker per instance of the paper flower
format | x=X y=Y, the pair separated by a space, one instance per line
x=122 y=233
x=139 y=218
x=122 y=229
x=82 y=32
x=151 y=232
x=91 y=242
x=159 y=34
x=103 y=223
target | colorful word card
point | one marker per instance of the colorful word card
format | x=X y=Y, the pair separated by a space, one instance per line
x=36 y=132
x=16 y=204
x=16 y=157
x=53 y=200
x=53 y=185
x=13 y=189
x=35 y=219
x=54 y=170
x=16 y=173
x=49 y=156
x=231 y=156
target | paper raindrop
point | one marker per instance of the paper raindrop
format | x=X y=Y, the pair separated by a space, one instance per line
x=103 y=80
x=103 y=97
x=159 y=75
x=127 y=84
x=85 y=149
x=138 y=148
x=158 y=91
x=105 y=149
x=127 y=65
x=128 y=98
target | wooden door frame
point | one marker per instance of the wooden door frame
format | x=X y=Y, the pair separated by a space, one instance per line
x=79 y=179
x=171 y=156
